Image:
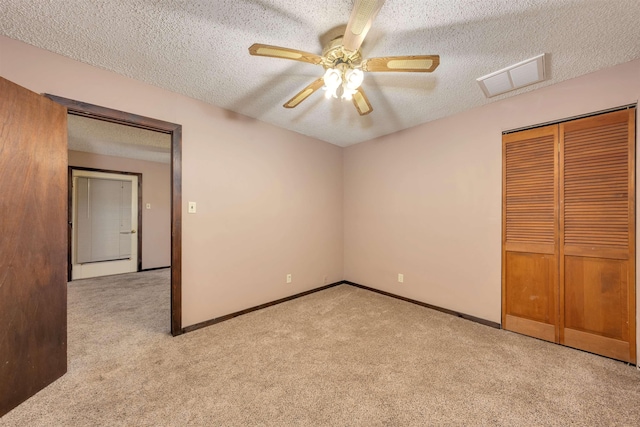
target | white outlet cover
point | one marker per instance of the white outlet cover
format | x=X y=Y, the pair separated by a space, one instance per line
x=192 y=207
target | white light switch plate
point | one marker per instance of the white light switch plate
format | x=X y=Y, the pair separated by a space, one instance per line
x=192 y=207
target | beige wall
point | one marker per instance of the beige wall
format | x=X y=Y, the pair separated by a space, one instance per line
x=156 y=190
x=426 y=202
x=269 y=200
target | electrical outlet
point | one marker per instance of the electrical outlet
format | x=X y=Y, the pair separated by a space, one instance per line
x=288 y=278
x=400 y=278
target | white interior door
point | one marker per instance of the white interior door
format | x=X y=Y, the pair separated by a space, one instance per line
x=104 y=224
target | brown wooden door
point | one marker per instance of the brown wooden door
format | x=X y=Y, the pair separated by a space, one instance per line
x=530 y=233
x=33 y=262
x=597 y=229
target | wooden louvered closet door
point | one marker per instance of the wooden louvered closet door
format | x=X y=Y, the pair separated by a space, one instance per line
x=597 y=229
x=530 y=233
x=569 y=234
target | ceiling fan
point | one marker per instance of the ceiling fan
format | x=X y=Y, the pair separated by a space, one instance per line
x=343 y=62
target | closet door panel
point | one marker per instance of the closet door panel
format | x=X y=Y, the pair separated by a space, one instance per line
x=596 y=294
x=530 y=197
x=530 y=297
x=596 y=315
x=597 y=229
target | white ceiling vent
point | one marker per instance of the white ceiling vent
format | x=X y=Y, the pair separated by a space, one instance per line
x=522 y=74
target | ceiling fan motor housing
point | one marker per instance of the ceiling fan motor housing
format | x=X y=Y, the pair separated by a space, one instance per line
x=334 y=55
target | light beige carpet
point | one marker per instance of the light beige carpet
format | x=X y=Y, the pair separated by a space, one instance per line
x=343 y=356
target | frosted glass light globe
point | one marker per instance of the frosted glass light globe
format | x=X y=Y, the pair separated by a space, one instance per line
x=354 y=78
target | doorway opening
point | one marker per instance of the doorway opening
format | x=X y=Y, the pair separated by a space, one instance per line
x=82 y=109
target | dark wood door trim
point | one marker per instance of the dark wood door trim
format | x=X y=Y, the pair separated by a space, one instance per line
x=70 y=207
x=175 y=130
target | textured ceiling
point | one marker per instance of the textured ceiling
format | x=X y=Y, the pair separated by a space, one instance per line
x=199 y=48
x=112 y=139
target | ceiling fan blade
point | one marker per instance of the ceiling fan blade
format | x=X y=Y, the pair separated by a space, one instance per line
x=304 y=93
x=414 y=63
x=362 y=16
x=361 y=102
x=258 y=49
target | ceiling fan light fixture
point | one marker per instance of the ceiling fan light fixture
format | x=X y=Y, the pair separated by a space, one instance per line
x=342 y=83
x=353 y=78
x=332 y=81
x=332 y=78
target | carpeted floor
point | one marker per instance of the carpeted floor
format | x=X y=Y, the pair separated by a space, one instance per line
x=343 y=356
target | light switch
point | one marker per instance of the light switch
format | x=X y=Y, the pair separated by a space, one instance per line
x=192 y=207
x=148 y=205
